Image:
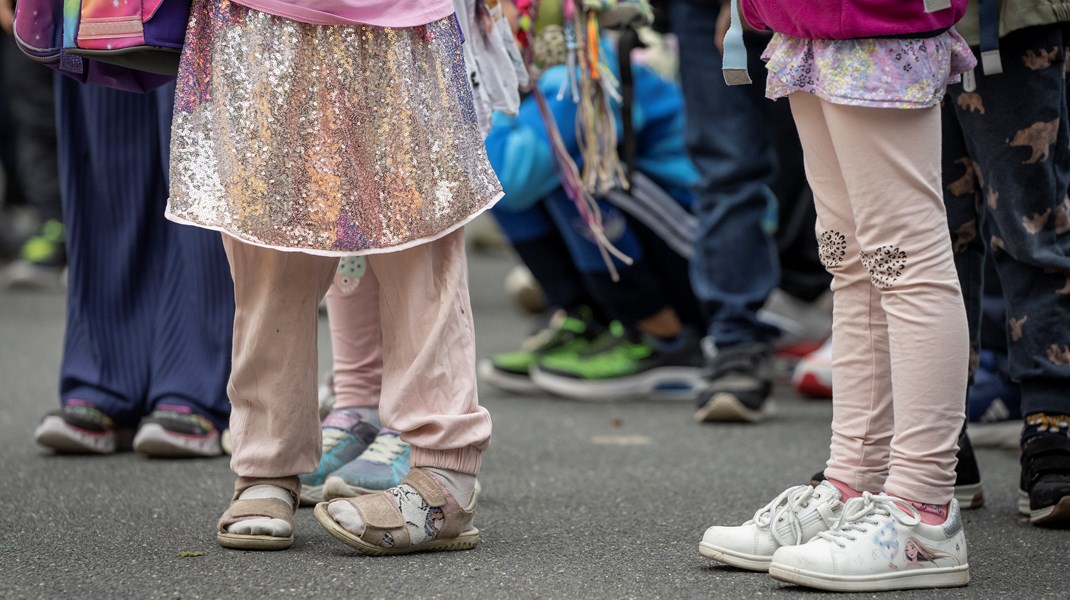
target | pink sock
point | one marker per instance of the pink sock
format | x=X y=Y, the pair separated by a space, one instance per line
x=846 y=492
x=931 y=514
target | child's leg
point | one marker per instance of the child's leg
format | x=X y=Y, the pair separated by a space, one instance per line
x=429 y=395
x=429 y=383
x=541 y=248
x=862 y=423
x=274 y=419
x=638 y=295
x=890 y=160
x=357 y=342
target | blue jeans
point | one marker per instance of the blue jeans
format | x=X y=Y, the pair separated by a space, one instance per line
x=729 y=138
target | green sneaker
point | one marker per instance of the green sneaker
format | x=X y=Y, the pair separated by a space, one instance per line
x=45 y=248
x=42 y=258
x=624 y=365
x=566 y=334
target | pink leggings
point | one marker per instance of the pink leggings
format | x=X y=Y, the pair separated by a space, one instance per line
x=414 y=318
x=899 y=341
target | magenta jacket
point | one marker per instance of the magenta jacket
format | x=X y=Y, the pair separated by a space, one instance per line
x=845 y=19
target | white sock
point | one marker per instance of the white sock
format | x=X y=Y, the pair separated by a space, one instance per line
x=461 y=486
x=260 y=525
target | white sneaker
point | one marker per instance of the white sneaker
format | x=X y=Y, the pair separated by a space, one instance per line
x=794 y=517
x=812 y=377
x=879 y=543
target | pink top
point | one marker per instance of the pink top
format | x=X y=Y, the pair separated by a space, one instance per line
x=381 y=13
x=849 y=19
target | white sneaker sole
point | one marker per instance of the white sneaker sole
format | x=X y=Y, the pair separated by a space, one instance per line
x=519 y=384
x=726 y=408
x=996 y=435
x=750 y=562
x=1054 y=515
x=901 y=580
x=665 y=383
x=153 y=440
x=970 y=496
x=54 y=433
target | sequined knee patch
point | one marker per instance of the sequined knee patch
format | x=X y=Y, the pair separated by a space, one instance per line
x=885 y=265
x=832 y=247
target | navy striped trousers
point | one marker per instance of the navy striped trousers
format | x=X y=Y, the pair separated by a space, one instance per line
x=150 y=304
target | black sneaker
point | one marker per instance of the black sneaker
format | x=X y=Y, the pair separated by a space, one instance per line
x=968 y=490
x=1044 y=492
x=738 y=386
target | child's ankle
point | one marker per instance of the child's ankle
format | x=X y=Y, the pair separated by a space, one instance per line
x=846 y=492
x=931 y=514
x=462 y=486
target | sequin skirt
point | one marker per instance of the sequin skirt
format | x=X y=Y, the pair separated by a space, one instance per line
x=332 y=140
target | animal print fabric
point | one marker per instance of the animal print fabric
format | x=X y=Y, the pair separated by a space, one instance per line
x=422 y=520
x=1006 y=174
x=831 y=248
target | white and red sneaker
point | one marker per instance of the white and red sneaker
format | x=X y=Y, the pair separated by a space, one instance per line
x=813 y=375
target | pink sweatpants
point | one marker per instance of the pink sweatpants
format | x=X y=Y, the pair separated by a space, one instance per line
x=418 y=297
x=899 y=341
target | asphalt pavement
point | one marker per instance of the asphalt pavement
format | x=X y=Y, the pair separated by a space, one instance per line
x=579 y=500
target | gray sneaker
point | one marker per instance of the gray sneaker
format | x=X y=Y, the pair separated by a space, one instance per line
x=738 y=386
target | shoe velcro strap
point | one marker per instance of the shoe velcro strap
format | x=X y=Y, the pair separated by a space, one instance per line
x=427 y=487
x=290 y=484
x=1046 y=455
x=378 y=511
x=1043 y=444
x=267 y=508
x=1050 y=463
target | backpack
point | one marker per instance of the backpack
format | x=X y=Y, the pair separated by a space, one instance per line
x=131 y=45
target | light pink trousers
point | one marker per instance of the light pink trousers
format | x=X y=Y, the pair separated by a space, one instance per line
x=414 y=302
x=899 y=338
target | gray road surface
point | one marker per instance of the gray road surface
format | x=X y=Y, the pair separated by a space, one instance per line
x=564 y=514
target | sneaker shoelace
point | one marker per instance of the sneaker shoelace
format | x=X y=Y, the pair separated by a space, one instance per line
x=332 y=437
x=562 y=328
x=384 y=450
x=610 y=339
x=785 y=506
x=860 y=515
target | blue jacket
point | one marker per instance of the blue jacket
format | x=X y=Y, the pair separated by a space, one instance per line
x=519 y=147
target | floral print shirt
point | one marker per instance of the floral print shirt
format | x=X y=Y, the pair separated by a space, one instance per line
x=873 y=72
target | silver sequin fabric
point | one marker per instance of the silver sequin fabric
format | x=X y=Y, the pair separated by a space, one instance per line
x=332 y=140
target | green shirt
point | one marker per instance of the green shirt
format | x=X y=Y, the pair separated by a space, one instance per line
x=1014 y=15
